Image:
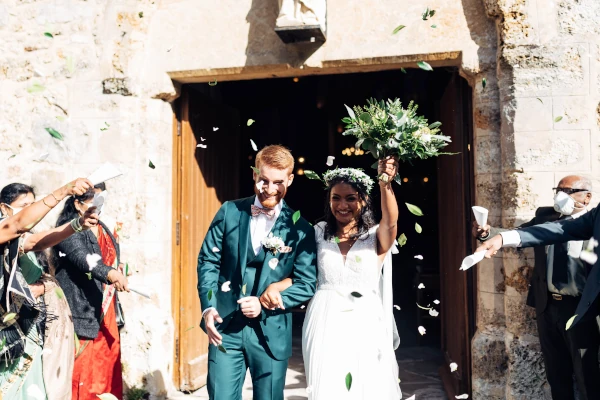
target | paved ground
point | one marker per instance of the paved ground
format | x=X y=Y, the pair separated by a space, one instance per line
x=418 y=375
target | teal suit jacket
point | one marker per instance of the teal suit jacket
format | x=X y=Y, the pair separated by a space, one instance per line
x=229 y=232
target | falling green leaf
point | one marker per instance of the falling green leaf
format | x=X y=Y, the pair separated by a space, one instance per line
x=398 y=29
x=414 y=210
x=348 y=381
x=484 y=83
x=107 y=396
x=540 y=100
x=60 y=118
x=151 y=165
x=59 y=293
x=77 y=344
x=256 y=170
x=210 y=294
x=48 y=34
x=13 y=156
x=558 y=119
x=402 y=70
x=356 y=294
x=190 y=328
x=434 y=26
x=244 y=289
x=141 y=14
x=214 y=83
x=311 y=174
x=336 y=240
x=36 y=88
x=418 y=228
x=70 y=64
x=402 y=240
x=89 y=275
x=424 y=66
x=250 y=122
x=350 y=112
x=570 y=322
x=425 y=15
x=54 y=133
x=296 y=216
x=9 y=317
x=358 y=259
x=222 y=349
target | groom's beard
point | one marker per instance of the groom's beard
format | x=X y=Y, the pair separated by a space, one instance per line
x=269 y=200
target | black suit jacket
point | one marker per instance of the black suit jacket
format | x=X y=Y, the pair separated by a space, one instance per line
x=582 y=228
x=537 y=296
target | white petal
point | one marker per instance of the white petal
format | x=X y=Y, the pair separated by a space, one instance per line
x=302 y=307
x=253 y=145
x=453 y=367
x=215 y=250
x=462 y=396
x=436 y=302
x=419 y=257
x=34 y=392
x=397 y=307
x=259 y=186
x=412 y=397
x=215 y=129
x=225 y=287
x=589 y=257
x=421 y=286
x=202 y=146
x=433 y=313
x=273 y=263
x=201 y=138
x=61 y=254
x=92 y=260
x=330 y=161
x=43 y=156
x=421 y=330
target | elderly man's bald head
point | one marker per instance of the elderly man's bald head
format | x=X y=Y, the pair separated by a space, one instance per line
x=578 y=187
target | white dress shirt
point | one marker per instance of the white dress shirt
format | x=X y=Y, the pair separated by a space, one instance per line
x=513 y=239
x=261 y=225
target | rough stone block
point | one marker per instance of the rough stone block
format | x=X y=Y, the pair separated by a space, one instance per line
x=526 y=376
x=489 y=358
x=116 y=86
x=523 y=193
x=487 y=190
x=490 y=275
x=576 y=112
x=552 y=151
x=490 y=309
x=520 y=318
x=532 y=115
x=517 y=271
x=487 y=154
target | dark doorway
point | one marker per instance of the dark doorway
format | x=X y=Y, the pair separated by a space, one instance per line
x=305 y=115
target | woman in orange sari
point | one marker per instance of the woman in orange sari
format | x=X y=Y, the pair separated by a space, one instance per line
x=87 y=267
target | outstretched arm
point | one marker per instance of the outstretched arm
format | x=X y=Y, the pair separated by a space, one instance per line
x=43 y=240
x=304 y=274
x=388 y=227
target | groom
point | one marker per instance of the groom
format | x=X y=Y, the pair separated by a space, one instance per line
x=250 y=244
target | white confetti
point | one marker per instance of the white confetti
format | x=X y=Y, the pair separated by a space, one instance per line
x=397 y=307
x=215 y=129
x=588 y=256
x=34 y=391
x=92 y=260
x=421 y=286
x=46 y=351
x=225 y=287
x=462 y=396
x=259 y=186
x=253 y=145
x=43 y=156
x=330 y=161
x=202 y=146
x=201 y=138
x=453 y=367
x=273 y=263
x=302 y=307
x=215 y=250
x=419 y=257
x=421 y=330
x=436 y=302
x=61 y=254
x=309 y=389
x=433 y=313
x=412 y=397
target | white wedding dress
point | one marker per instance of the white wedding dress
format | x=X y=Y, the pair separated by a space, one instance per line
x=345 y=334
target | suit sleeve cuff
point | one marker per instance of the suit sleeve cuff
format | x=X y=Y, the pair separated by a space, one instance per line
x=511 y=239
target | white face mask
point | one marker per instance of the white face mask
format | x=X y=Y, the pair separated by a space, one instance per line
x=15 y=210
x=564 y=204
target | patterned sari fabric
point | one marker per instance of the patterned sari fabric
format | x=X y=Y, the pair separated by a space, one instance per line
x=97 y=367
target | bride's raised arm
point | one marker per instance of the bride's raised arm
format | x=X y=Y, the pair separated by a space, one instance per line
x=388 y=227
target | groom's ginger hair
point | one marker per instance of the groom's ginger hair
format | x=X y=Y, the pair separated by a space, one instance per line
x=275 y=156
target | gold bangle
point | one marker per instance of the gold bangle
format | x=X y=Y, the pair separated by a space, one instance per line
x=57 y=200
x=44 y=201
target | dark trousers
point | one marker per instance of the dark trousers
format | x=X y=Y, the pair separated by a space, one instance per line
x=567 y=352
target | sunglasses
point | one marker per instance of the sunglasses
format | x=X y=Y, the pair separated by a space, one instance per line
x=568 y=190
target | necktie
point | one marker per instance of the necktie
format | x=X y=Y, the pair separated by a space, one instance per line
x=256 y=211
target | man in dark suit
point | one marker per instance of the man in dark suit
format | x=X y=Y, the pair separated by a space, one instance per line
x=561 y=285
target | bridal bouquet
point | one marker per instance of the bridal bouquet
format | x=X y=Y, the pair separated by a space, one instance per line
x=387 y=129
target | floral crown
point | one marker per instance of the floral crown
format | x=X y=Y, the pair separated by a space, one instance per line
x=354 y=175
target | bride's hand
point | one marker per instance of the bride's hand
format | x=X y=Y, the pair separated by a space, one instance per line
x=271 y=299
x=387 y=168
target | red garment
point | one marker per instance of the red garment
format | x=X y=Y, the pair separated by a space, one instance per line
x=97 y=369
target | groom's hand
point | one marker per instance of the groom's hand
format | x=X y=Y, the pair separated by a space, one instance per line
x=271 y=299
x=250 y=306
x=491 y=246
x=214 y=337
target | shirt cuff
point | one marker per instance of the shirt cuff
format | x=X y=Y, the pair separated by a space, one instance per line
x=207 y=310
x=511 y=239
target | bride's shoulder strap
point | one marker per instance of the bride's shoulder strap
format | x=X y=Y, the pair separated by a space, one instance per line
x=320 y=229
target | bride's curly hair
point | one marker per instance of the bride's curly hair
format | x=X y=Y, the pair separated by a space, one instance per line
x=366 y=220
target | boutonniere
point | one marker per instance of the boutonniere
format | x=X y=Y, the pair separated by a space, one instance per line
x=275 y=244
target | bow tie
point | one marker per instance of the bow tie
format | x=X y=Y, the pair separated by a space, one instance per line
x=256 y=211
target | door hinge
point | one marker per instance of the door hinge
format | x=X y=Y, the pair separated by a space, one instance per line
x=177 y=350
x=178 y=128
x=177 y=233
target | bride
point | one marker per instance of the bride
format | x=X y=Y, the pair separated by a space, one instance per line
x=349 y=334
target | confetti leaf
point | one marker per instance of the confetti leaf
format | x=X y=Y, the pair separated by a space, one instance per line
x=48 y=34
x=540 y=100
x=403 y=70
x=423 y=308
x=421 y=330
x=348 y=381
x=151 y=165
x=558 y=119
x=433 y=313
x=222 y=349
x=453 y=367
x=418 y=228
x=244 y=289
x=54 y=133
x=250 y=122
x=434 y=26
x=311 y=174
x=77 y=344
x=350 y=112
x=424 y=66
x=329 y=162
x=462 y=396
x=254 y=147
x=36 y=88
x=358 y=259
x=59 y=293
x=421 y=286
x=336 y=240
x=436 y=302
x=256 y=170
x=190 y=328
x=397 y=307
x=89 y=275
x=296 y=216
x=484 y=83
x=9 y=317
x=398 y=29
x=141 y=14
x=356 y=294
x=570 y=322
x=210 y=294
x=70 y=64
x=107 y=396
x=12 y=156
x=419 y=257
x=60 y=118
x=414 y=210
x=214 y=83
x=225 y=287
x=402 y=240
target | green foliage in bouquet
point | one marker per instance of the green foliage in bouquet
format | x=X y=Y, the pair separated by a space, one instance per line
x=386 y=128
